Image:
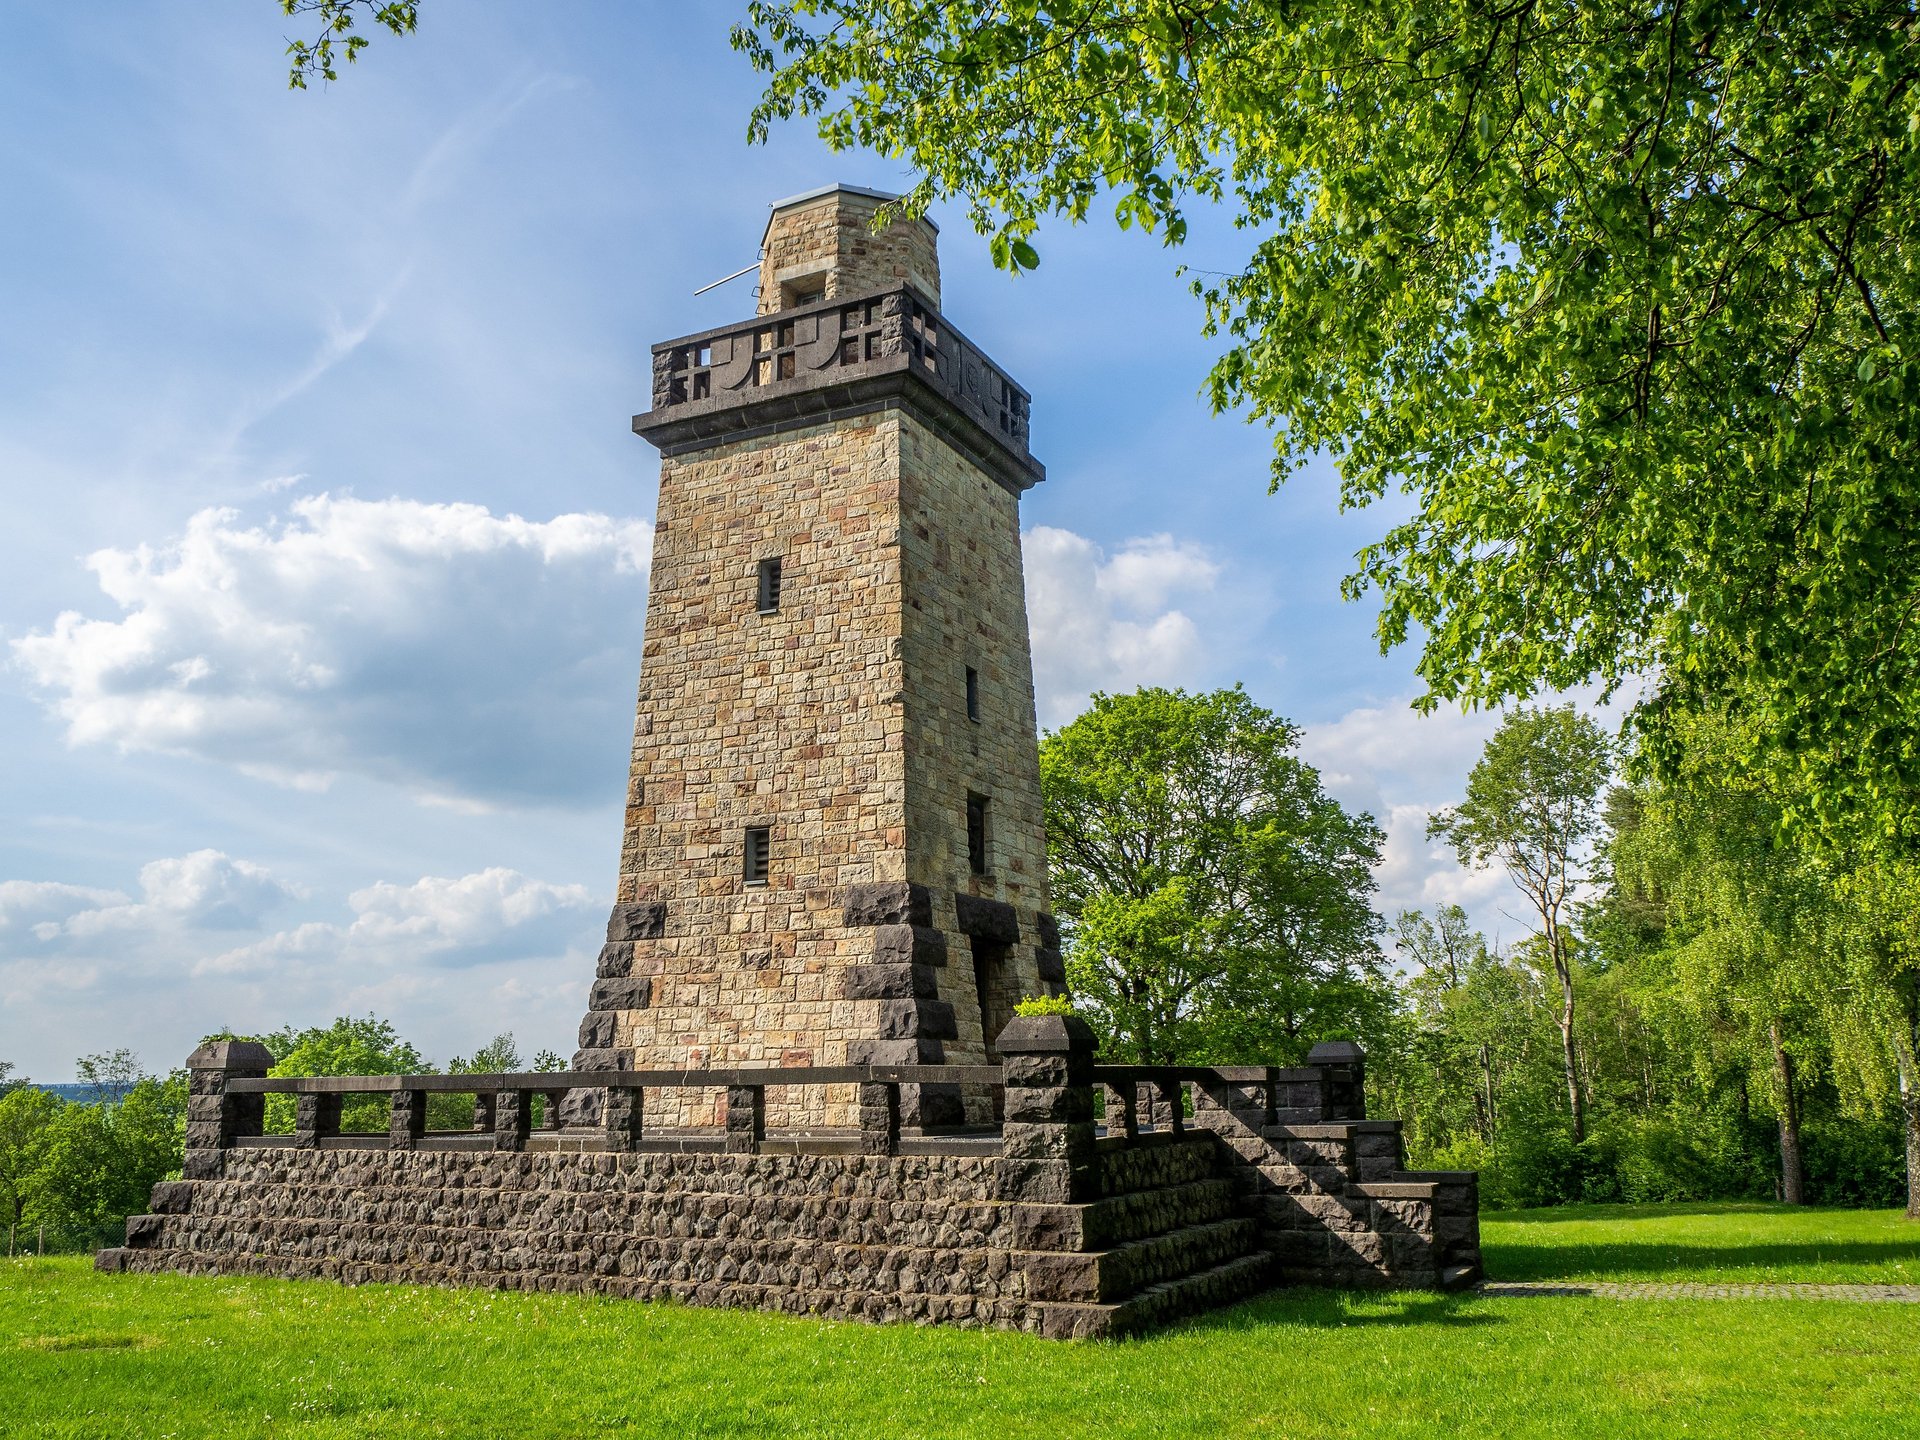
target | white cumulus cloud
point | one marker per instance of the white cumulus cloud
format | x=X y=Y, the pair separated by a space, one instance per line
x=203 y=891
x=491 y=915
x=1111 y=622
x=467 y=656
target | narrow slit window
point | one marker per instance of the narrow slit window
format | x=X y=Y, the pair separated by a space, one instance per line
x=977 y=833
x=973 y=694
x=758 y=847
x=770 y=585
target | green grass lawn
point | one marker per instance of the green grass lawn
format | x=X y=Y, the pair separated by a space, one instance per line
x=1725 y=1243
x=92 y=1356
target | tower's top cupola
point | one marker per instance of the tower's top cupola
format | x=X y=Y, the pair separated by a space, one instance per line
x=821 y=245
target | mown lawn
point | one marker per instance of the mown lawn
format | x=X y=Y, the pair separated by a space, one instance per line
x=91 y=1357
x=1723 y=1243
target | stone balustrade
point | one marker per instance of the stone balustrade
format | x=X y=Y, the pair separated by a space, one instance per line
x=836 y=358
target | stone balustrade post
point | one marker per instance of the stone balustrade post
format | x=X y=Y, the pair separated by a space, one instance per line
x=216 y=1117
x=315 y=1118
x=1343 y=1079
x=879 y=1118
x=620 y=1115
x=512 y=1120
x=1047 y=1142
x=1173 y=1105
x=746 y=1119
x=407 y=1121
x=483 y=1103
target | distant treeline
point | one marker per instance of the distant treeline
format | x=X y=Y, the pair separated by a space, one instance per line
x=77 y=1159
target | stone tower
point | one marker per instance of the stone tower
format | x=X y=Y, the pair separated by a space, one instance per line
x=833 y=850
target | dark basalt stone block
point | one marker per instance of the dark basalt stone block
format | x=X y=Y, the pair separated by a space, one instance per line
x=602 y=1060
x=891 y=982
x=1051 y=967
x=920 y=1051
x=628 y=994
x=1048 y=929
x=616 y=960
x=994 y=921
x=637 y=922
x=596 y=1031
x=906 y=1019
x=912 y=944
x=172 y=1197
x=887 y=902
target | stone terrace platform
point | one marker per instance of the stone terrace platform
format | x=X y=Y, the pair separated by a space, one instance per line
x=1205 y=1185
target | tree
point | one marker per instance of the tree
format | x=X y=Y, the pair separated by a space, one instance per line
x=1214 y=898
x=314 y=59
x=349 y=1046
x=1747 y=940
x=499 y=1056
x=26 y=1115
x=1620 y=295
x=109 y=1075
x=1533 y=803
x=1876 y=1008
x=1448 y=954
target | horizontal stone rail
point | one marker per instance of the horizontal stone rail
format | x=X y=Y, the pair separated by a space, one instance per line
x=835 y=358
x=542 y=1081
x=230 y=1087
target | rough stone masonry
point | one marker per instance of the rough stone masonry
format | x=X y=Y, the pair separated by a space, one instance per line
x=867 y=713
x=801 y=1085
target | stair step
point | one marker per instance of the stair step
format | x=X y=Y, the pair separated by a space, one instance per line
x=1109 y=1276
x=1158 y=1304
x=1461 y=1277
x=1142 y=1214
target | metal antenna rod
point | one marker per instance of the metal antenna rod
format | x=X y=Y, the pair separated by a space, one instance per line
x=724 y=278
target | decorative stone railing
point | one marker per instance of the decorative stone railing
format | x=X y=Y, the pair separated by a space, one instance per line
x=834 y=357
x=1048 y=1083
x=1330 y=1087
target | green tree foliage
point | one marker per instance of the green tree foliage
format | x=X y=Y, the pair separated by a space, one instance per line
x=74 y=1171
x=1874 y=1010
x=26 y=1116
x=366 y=1045
x=1214 y=899
x=1746 y=935
x=314 y=59
x=1532 y=807
x=1617 y=294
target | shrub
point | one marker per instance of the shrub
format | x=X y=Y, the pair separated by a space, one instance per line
x=1045 y=1005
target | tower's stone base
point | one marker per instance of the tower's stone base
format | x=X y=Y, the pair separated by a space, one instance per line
x=1182 y=1223
x=1044 y=1225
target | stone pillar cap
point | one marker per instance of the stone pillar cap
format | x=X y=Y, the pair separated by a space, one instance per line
x=231 y=1055
x=1046 y=1035
x=1335 y=1052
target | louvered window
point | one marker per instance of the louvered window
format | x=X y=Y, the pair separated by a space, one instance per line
x=770 y=585
x=977 y=832
x=758 y=848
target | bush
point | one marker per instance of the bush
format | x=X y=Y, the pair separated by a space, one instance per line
x=1045 y=1005
x=1854 y=1162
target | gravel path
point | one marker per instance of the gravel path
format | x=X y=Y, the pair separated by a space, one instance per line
x=1610 y=1290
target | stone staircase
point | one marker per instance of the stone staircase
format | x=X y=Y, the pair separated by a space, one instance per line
x=1168 y=1236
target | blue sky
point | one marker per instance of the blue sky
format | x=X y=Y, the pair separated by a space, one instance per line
x=325 y=537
